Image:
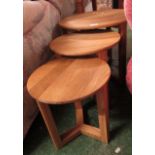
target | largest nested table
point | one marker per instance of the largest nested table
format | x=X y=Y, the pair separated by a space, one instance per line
x=84 y=44
x=63 y=81
x=101 y=19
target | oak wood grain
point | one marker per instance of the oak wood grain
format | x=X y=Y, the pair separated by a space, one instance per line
x=103 y=112
x=79 y=113
x=67 y=80
x=70 y=134
x=91 y=131
x=103 y=55
x=94 y=20
x=84 y=44
x=50 y=124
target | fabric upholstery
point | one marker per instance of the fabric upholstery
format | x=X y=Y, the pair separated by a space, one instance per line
x=38 y=34
x=40 y=20
x=40 y=26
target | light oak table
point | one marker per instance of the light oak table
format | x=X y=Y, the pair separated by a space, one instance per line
x=94 y=20
x=63 y=81
x=101 y=19
x=82 y=44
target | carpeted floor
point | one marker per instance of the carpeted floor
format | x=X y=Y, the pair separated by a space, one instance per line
x=38 y=142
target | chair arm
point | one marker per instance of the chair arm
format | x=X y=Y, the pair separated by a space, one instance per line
x=33 y=12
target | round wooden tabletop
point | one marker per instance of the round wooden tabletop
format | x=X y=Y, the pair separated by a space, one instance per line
x=63 y=80
x=94 y=20
x=84 y=44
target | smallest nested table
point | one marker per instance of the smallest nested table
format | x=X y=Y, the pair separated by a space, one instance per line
x=94 y=20
x=63 y=81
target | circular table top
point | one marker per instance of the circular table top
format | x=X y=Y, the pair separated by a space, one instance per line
x=84 y=44
x=94 y=20
x=63 y=80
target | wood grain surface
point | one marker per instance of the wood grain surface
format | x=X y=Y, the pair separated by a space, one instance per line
x=67 y=80
x=94 y=20
x=84 y=44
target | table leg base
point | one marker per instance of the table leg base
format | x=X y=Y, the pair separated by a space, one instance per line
x=100 y=133
x=84 y=129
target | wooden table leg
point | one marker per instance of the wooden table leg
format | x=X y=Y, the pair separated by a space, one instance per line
x=69 y=135
x=122 y=52
x=103 y=55
x=79 y=113
x=120 y=4
x=79 y=6
x=103 y=112
x=50 y=124
x=94 y=5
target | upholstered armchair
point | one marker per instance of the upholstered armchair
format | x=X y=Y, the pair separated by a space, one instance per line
x=128 y=13
x=40 y=26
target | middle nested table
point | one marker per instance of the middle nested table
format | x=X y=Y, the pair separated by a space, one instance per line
x=82 y=44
